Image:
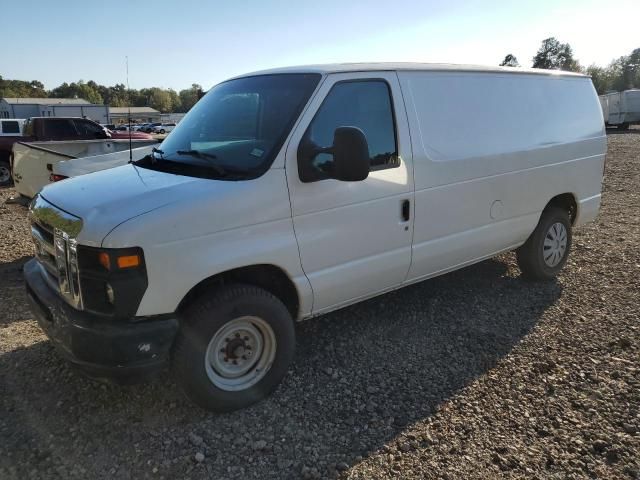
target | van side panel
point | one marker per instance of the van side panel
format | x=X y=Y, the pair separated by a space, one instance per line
x=490 y=151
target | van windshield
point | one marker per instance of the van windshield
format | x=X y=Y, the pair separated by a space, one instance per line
x=236 y=129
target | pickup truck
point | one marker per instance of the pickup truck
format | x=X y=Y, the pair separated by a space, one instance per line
x=45 y=129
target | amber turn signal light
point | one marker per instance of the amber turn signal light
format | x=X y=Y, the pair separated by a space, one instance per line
x=103 y=258
x=122 y=261
x=128 y=261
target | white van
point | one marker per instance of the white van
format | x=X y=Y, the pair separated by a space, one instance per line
x=289 y=193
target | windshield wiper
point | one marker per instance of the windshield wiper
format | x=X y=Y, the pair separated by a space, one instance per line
x=196 y=153
x=207 y=156
x=149 y=156
x=153 y=157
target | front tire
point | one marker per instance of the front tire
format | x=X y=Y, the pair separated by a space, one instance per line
x=546 y=251
x=233 y=348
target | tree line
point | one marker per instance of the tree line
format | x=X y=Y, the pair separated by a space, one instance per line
x=621 y=74
x=163 y=100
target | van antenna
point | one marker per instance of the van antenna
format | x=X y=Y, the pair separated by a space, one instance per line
x=129 y=111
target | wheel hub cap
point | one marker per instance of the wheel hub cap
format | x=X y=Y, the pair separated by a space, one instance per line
x=240 y=353
x=555 y=244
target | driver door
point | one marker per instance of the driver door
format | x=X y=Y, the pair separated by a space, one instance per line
x=354 y=237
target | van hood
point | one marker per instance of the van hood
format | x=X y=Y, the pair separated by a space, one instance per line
x=105 y=199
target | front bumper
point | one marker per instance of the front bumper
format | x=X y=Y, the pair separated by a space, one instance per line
x=116 y=350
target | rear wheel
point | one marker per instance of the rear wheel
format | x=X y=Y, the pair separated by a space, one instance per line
x=623 y=126
x=546 y=251
x=162 y=132
x=5 y=173
x=234 y=347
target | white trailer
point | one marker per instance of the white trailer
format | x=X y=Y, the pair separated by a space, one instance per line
x=621 y=109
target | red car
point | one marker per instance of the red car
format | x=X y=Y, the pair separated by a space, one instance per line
x=121 y=134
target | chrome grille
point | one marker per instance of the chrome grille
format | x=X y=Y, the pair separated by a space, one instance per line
x=45 y=251
x=53 y=231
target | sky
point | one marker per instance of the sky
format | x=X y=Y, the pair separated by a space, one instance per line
x=172 y=44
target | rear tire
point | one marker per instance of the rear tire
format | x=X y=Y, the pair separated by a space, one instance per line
x=5 y=173
x=623 y=126
x=546 y=251
x=162 y=132
x=233 y=348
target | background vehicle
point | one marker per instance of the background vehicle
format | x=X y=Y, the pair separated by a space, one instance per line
x=108 y=126
x=290 y=193
x=621 y=109
x=45 y=129
x=164 y=128
x=124 y=134
x=148 y=128
x=140 y=127
x=81 y=166
x=33 y=162
x=11 y=126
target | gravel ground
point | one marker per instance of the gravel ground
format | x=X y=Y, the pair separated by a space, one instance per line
x=476 y=374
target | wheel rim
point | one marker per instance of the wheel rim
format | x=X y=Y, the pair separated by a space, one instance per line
x=555 y=244
x=240 y=353
x=5 y=174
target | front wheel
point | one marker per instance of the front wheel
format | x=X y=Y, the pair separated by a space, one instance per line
x=162 y=132
x=234 y=347
x=546 y=251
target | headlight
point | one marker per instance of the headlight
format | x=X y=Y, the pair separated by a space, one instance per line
x=113 y=280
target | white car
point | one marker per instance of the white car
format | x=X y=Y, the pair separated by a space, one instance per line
x=164 y=128
x=290 y=193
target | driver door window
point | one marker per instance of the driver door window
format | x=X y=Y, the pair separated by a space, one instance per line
x=362 y=104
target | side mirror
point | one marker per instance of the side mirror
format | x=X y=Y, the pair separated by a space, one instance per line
x=350 y=155
x=103 y=134
x=350 y=152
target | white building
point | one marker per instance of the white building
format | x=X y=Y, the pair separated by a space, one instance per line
x=52 y=107
x=171 y=117
x=138 y=115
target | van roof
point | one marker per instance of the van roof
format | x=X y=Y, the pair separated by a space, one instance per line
x=394 y=66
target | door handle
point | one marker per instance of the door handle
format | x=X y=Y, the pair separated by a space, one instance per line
x=405 y=210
